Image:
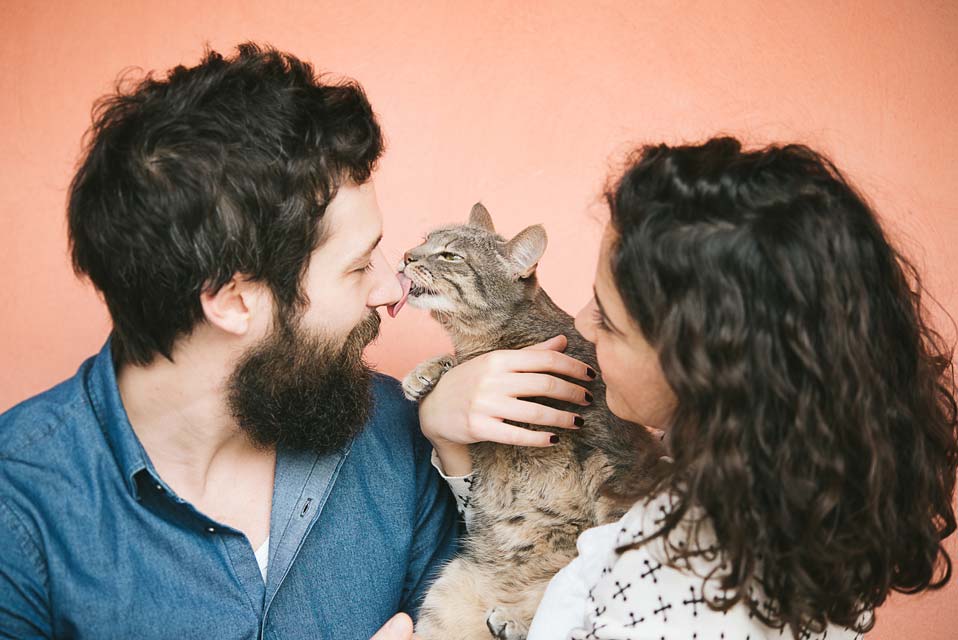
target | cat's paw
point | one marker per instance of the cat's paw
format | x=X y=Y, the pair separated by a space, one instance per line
x=420 y=381
x=503 y=626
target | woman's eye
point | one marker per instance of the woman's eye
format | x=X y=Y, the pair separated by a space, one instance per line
x=599 y=318
x=450 y=257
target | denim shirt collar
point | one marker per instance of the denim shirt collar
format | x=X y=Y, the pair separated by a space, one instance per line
x=104 y=394
x=302 y=484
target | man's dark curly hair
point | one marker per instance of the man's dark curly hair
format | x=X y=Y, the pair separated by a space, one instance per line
x=219 y=169
x=816 y=417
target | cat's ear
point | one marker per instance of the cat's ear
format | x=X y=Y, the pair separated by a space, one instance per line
x=479 y=217
x=526 y=249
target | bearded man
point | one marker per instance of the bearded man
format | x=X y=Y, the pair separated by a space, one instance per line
x=227 y=466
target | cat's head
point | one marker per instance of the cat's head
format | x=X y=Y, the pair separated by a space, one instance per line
x=468 y=273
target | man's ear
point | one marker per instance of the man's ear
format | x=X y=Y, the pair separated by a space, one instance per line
x=231 y=307
x=479 y=217
x=526 y=249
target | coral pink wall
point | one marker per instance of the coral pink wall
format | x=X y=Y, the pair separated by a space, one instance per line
x=519 y=104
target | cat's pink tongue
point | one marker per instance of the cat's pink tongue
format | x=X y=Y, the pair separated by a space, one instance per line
x=405 y=283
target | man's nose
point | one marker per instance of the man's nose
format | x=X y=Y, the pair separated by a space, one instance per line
x=387 y=289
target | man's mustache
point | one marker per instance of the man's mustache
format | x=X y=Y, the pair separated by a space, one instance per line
x=366 y=331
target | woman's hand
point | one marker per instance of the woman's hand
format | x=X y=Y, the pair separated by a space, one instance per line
x=471 y=401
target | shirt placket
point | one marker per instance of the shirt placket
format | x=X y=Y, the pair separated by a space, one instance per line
x=301 y=487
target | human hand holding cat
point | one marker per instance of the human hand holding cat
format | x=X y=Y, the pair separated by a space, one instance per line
x=472 y=400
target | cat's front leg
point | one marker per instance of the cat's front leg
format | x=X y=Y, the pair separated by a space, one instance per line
x=419 y=382
x=504 y=626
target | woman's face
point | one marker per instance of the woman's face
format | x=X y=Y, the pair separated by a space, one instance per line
x=636 y=388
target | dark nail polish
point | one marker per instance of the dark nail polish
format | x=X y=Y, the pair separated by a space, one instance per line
x=554 y=439
x=588 y=397
x=590 y=372
x=578 y=421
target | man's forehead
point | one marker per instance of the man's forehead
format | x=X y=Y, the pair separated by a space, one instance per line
x=353 y=217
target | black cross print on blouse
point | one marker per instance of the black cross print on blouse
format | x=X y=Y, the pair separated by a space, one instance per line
x=634 y=622
x=663 y=609
x=650 y=570
x=599 y=610
x=769 y=609
x=469 y=481
x=694 y=602
x=621 y=591
x=639 y=533
x=592 y=635
x=663 y=512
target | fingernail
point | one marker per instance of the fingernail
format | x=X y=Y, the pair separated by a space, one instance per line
x=578 y=421
x=588 y=397
x=589 y=371
x=554 y=439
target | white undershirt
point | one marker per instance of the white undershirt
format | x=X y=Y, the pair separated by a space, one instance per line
x=262 y=557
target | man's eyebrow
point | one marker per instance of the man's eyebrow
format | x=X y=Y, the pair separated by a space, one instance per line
x=360 y=258
x=605 y=316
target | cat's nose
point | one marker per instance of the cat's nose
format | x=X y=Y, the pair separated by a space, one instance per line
x=408 y=257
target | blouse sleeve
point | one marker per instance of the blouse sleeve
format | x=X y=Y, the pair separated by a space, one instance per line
x=461 y=487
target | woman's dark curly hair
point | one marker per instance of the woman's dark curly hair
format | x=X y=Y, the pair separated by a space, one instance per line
x=816 y=416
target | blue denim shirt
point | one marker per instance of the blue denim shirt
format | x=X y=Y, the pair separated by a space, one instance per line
x=94 y=544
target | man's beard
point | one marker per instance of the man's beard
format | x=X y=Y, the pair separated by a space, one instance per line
x=299 y=391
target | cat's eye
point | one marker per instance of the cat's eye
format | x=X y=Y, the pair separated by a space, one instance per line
x=448 y=256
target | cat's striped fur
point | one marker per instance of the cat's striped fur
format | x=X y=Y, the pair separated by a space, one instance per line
x=530 y=503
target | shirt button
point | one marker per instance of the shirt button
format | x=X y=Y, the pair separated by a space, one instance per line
x=159 y=487
x=210 y=530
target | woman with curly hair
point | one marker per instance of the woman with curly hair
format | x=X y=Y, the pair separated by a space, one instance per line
x=749 y=306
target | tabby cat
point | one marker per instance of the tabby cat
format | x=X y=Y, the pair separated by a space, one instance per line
x=530 y=504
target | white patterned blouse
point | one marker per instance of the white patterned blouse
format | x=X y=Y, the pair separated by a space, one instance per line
x=610 y=593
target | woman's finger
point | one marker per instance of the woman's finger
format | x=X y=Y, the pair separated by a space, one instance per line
x=555 y=343
x=527 y=385
x=537 y=414
x=493 y=430
x=542 y=360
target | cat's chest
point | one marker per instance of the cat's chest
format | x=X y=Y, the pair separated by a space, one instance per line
x=517 y=480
